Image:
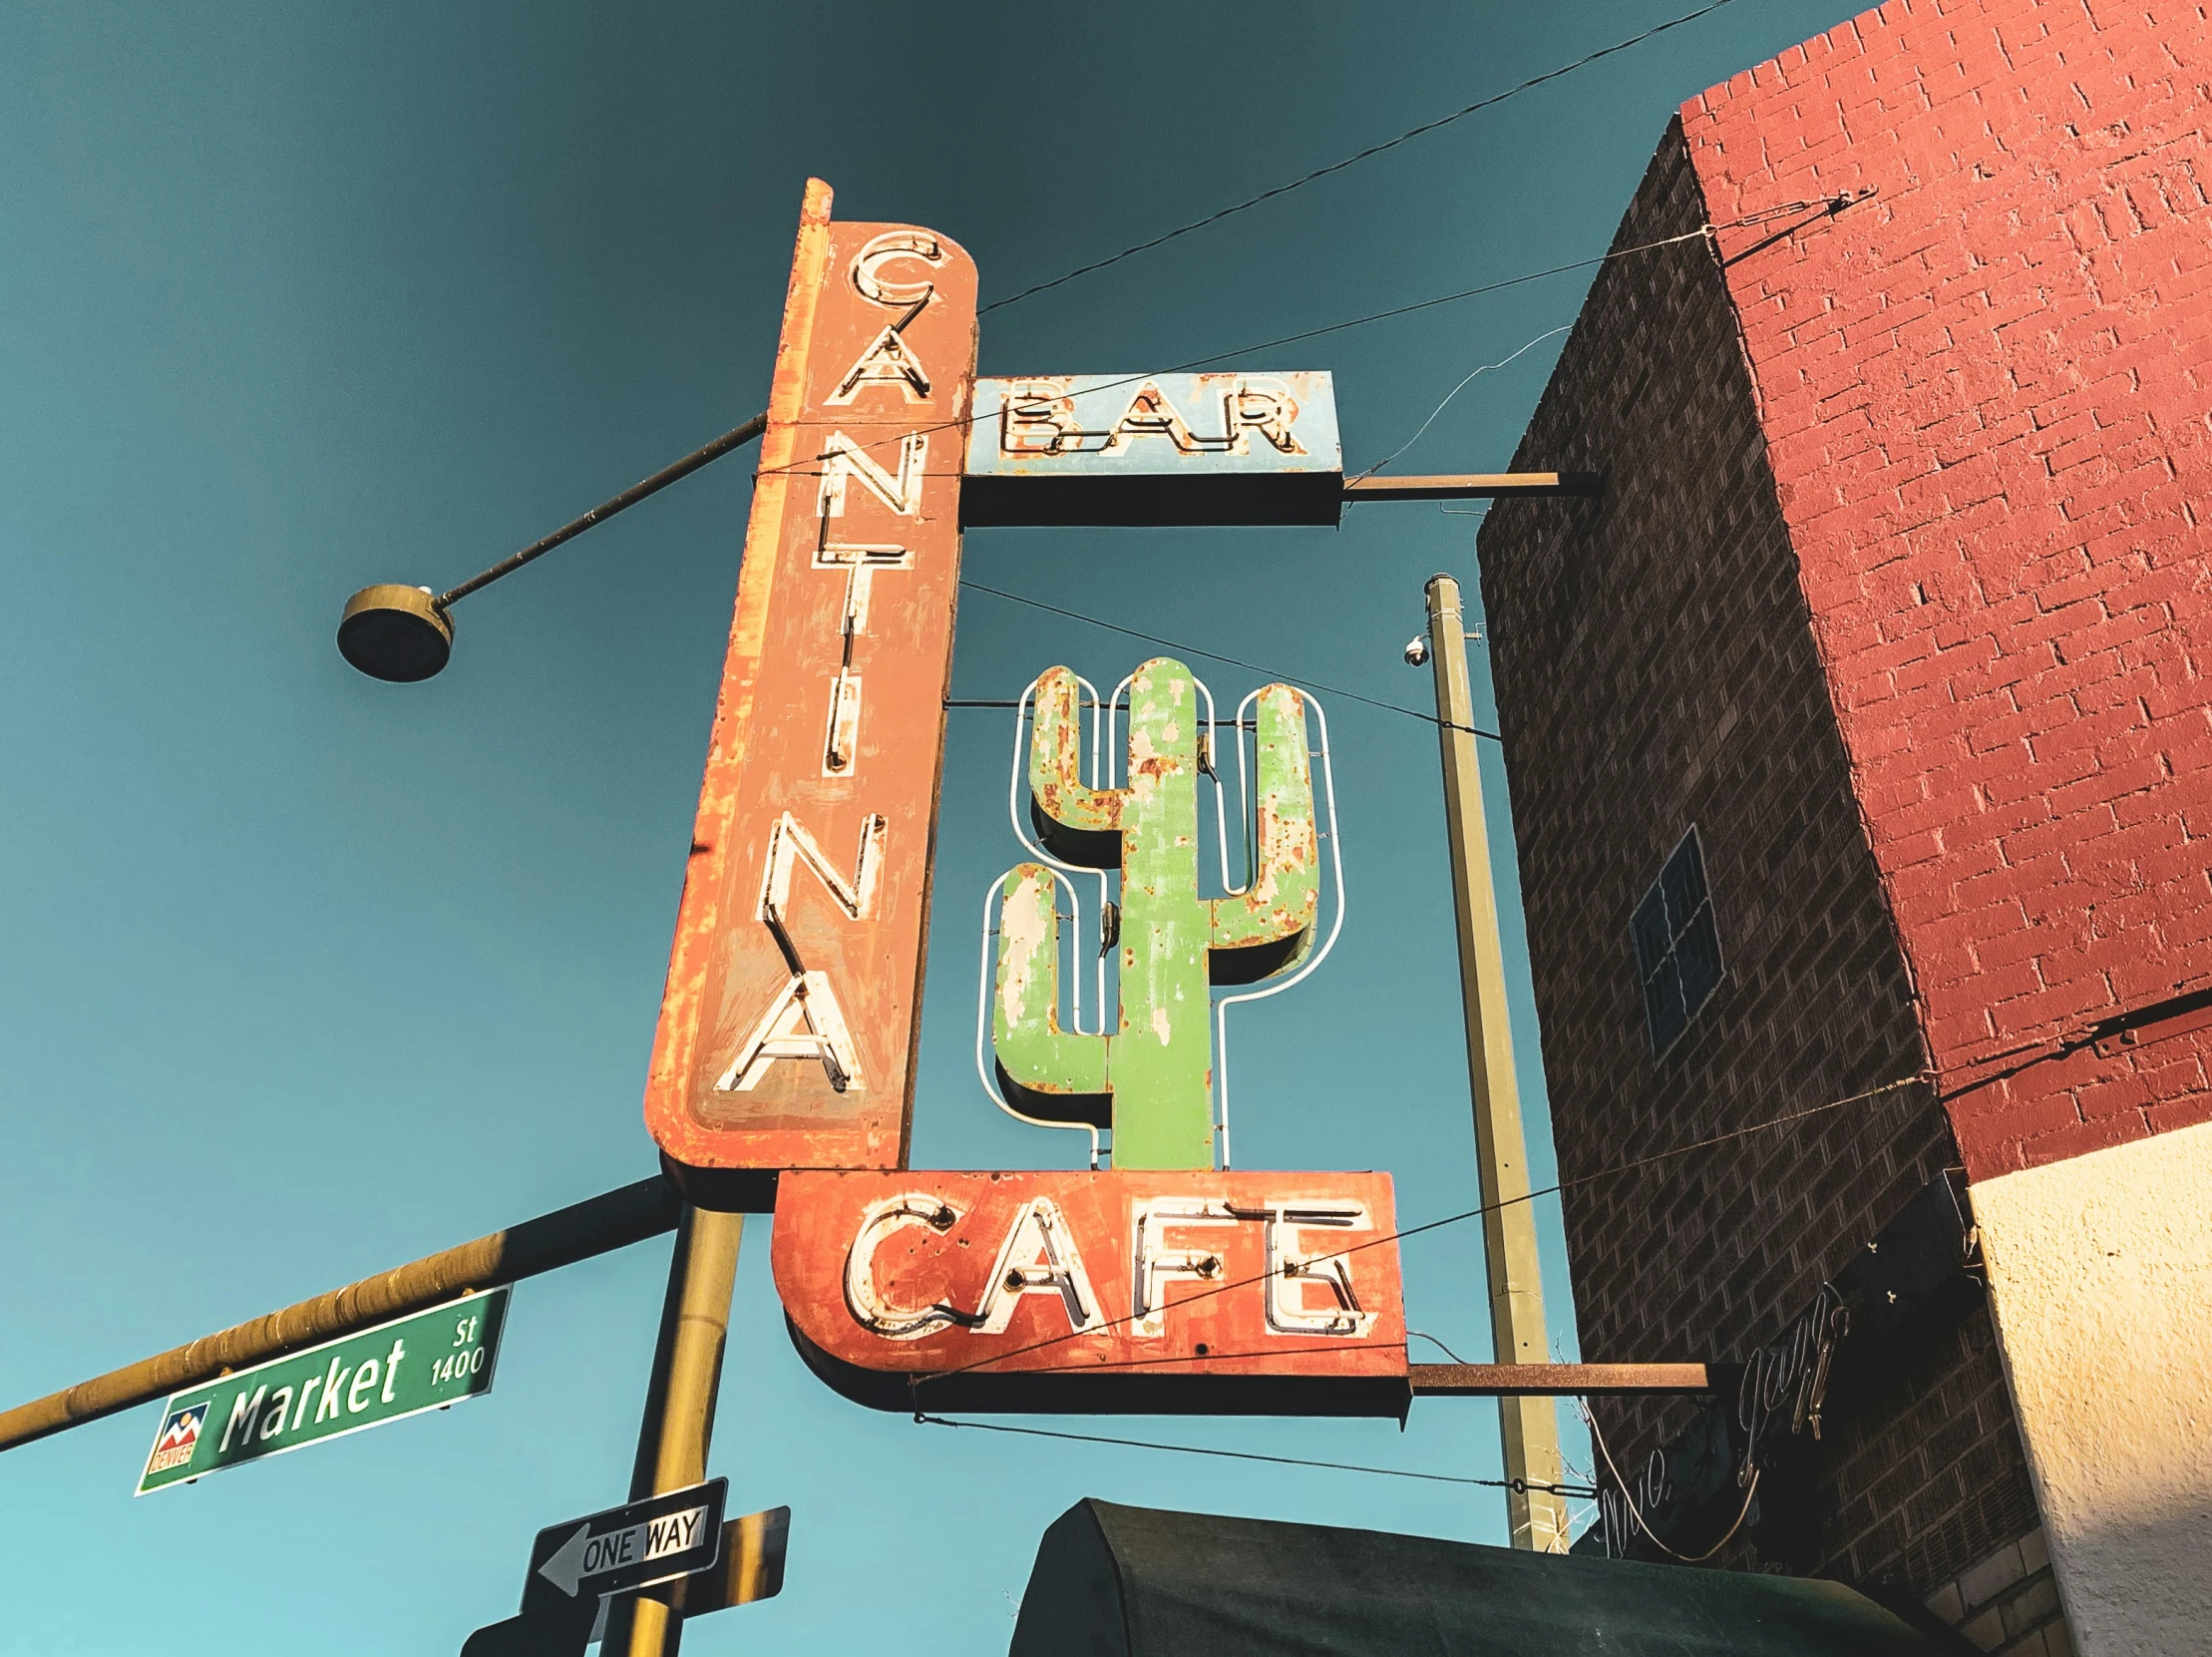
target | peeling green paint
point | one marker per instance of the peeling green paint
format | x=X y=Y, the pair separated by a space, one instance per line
x=1150 y=1077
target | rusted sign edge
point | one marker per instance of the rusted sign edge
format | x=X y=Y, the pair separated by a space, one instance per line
x=1557 y=1380
x=1112 y=1392
x=691 y=953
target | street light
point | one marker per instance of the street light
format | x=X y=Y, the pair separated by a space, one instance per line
x=404 y=634
x=398 y=633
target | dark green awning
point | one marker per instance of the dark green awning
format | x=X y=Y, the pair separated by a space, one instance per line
x=1113 y=1581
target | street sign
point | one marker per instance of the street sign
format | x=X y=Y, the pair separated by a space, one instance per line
x=379 y=1375
x=1154 y=449
x=564 y=1607
x=632 y=1546
x=750 y=1569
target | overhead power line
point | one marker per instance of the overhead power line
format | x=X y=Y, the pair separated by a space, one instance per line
x=1252 y=1455
x=1215 y=656
x=1353 y=159
x=1471 y=376
x=916 y=1383
x=807 y=466
x=1886 y=1089
x=1702 y=234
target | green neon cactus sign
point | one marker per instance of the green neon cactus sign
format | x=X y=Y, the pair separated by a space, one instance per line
x=1151 y=1075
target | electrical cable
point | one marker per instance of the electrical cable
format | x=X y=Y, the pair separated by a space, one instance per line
x=1703 y=234
x=1548 y=333
x=756 y=426
x=1424 y=1335
x=1372 y=150
x=1312 y=957
x=1210 y=655
x=924 y=1419
x=1917 y=1078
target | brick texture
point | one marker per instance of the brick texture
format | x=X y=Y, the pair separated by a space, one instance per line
x=1985 y=393
x=1657 y=668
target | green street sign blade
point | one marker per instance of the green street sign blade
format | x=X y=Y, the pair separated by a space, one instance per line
x=375 y=1376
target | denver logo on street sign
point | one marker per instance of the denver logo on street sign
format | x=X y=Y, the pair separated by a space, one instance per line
x=379 y=1375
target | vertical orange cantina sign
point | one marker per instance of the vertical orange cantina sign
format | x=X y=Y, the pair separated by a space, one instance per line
x=788 y=1028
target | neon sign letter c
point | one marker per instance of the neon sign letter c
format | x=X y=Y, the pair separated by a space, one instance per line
x=896 y=245
x=870 y=1309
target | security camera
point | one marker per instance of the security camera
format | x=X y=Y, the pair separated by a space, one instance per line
x=1416 y=651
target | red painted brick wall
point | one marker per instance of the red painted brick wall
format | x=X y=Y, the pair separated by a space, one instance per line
x=1985 y=391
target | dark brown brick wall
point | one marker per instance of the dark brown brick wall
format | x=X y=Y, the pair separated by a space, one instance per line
x=1656 y=668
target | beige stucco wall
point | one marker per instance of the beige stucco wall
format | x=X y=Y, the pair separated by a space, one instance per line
x=2100 y=1277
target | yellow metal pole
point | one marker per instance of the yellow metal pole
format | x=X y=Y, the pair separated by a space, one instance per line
x=1537 y=1517
x=546 y=1243
x=679 y=1409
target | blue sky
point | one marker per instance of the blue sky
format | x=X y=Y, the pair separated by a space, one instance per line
x=302 y=976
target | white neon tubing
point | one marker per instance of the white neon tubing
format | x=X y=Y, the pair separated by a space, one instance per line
x=1016 y=774
x=1336 y=859
x=982 y=1035
x=1220 y=800
x=1113 y=731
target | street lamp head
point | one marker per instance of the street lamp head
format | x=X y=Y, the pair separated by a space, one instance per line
x=399 y=633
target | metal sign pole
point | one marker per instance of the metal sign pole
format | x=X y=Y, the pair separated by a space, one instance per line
x=680 y=1409
x=1530 y=1426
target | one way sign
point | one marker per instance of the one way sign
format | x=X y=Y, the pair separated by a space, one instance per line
x=574 y=1566
x=634 y=1546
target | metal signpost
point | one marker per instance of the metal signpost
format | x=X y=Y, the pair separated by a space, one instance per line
x=750 y=1569
x=680 y=1394
x=362 y=1379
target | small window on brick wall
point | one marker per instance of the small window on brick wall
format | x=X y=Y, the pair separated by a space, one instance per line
x=1678 y=948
